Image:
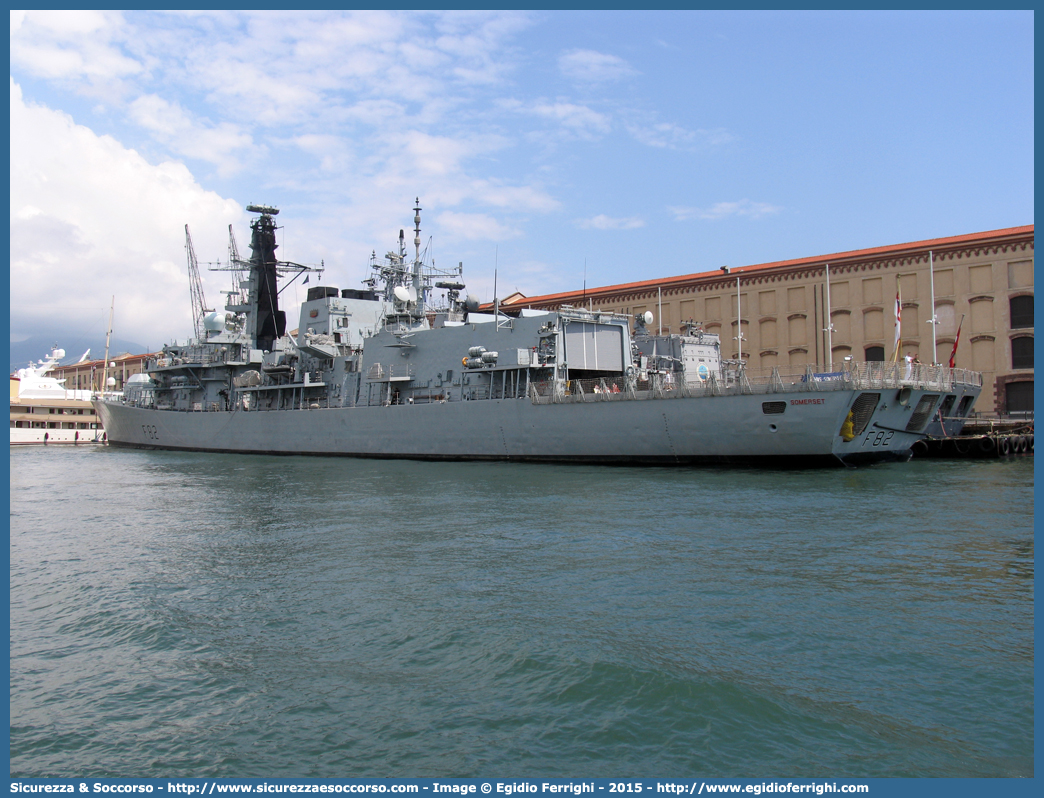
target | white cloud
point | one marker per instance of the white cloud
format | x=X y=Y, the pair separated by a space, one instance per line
x=91 y=219
x=71 y=45
x=577 y=118
x=473 y=226
x=723 y=210
x=187 y=136
x=333 y=152
x=570 y=121
x=475 y=40
x=270 y=67
x=377 y=112
x=589 y=66
x=415 y=155
x=518 y=198
x=603 y=222
x=288 y=99
x=305 y=66
x=667 y=135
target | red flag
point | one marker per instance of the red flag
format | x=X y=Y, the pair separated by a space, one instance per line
x=898 y=325
x=953 y=354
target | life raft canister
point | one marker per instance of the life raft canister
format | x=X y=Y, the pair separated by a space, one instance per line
x=847 y=428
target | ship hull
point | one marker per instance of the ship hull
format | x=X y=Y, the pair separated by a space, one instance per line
x=722 y=429
x=40 y=437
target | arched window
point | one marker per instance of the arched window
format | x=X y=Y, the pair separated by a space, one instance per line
x=874 y=353
x=1022 y=353
x=1021 y=312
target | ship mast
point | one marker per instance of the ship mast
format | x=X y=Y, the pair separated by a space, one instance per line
x=257 y=296
x=418 y=286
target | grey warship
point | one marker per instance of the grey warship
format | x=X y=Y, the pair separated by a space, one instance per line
x=408 y=367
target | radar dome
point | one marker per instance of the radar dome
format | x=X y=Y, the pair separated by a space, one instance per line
x=471 y=303
x=214 y=322
x=402 y=293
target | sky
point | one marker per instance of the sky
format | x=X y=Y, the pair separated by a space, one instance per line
x=549 y=149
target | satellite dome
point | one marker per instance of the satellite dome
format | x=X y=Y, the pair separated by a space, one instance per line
x=214 y=321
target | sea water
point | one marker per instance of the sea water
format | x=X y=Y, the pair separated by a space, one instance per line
x=185 y=614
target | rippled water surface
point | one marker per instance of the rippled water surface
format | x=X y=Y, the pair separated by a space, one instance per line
x=179 y=614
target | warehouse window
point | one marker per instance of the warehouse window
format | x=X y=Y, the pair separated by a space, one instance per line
x=1022 y=352
x=1019 y=397
x=874 y=354
x=1021 y=312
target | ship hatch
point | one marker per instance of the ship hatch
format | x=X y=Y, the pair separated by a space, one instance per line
x=594 y=347
x=862 y=410
x=922 y=412
x=773 y=408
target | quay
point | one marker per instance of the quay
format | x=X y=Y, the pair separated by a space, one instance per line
x=982 y=437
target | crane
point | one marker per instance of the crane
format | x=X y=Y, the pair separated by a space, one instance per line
x=199 y=302
x=235 y=263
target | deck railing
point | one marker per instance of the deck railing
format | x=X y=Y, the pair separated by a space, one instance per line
x=732 y=380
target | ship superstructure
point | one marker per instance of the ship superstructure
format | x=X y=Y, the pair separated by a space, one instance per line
x=43 y=410
x=407 y=367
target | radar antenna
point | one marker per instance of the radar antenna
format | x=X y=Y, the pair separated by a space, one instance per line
x=199 y=302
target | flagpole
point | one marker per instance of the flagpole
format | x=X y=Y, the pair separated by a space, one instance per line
x=829 y=326
x=739 y=322
x=898 y=316
x=935 y=319
x=105 y=365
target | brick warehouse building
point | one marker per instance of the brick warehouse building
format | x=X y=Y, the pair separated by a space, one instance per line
x=87 y=375
x=986 y=279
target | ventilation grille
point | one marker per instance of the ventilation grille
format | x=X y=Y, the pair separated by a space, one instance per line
x=862 y=410
x=947 y=406
x=773 y=408
x=922 y=412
